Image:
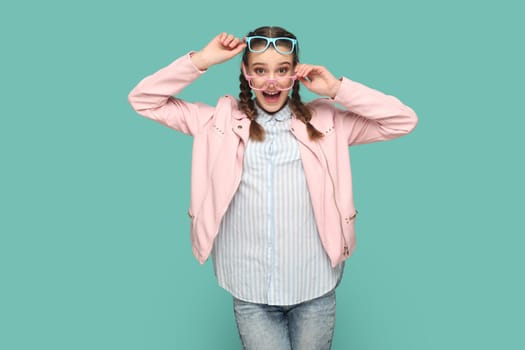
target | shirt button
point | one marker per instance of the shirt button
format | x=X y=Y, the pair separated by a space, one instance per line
x=239 y=126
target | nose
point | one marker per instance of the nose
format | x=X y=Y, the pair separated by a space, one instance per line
x=271 y=82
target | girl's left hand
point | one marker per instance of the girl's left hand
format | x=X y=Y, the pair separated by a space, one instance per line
x=317 y=79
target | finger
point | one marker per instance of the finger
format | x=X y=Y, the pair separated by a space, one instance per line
x=299 y=70
x=302 y=69
x=239 y=48
x=316 y=71
x=306 y=83
x=222 y=36
x=234 y=43
x=224 y=39
x=305 y=70
x=307 y=73
x=229 y=40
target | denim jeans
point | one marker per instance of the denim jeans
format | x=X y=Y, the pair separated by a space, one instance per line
x=305 y=326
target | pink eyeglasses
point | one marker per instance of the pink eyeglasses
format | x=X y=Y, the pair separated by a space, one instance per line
x=261 y=83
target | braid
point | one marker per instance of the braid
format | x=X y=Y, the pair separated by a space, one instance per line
x=303 y=113
x=247 y=106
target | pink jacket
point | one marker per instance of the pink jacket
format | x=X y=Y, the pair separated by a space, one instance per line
x=221 y=133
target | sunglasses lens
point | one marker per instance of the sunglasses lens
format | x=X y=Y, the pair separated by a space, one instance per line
x=284 y=45
x=258 y=44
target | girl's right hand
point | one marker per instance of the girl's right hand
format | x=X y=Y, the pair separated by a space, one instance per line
x=220 y=49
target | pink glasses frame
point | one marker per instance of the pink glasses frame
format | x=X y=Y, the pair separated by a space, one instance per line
x=268 y=81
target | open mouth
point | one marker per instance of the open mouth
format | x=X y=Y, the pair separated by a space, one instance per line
x=271 y=96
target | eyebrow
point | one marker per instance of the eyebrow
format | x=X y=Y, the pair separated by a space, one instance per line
x=264 y=64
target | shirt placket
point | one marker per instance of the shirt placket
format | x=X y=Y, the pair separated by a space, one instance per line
x=270 y=208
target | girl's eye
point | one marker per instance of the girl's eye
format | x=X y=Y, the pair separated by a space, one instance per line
x=259 y=71
x=283 y=70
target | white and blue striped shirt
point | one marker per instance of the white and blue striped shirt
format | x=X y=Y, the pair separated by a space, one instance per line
x=268 y=249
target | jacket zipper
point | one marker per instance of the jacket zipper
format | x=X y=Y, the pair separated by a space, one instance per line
x=346 y=251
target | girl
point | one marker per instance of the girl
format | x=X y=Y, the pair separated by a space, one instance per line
x=271 y=186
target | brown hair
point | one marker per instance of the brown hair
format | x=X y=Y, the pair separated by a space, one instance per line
x=247 y=104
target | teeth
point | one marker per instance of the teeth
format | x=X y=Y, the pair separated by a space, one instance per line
x=272 y=93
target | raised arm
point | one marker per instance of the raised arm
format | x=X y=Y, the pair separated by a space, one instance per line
x=370 y=115
x=153 y=97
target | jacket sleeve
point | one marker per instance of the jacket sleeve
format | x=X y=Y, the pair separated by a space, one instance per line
x=371 y=115
x=153 y=97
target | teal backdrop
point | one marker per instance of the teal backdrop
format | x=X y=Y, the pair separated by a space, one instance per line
x=94 y=246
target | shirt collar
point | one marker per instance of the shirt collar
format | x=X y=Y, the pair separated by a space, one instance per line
x=263 y=117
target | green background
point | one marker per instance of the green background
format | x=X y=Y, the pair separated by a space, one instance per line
x=94 y=246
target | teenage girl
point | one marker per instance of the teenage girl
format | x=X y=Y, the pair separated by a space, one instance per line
x=271 y=185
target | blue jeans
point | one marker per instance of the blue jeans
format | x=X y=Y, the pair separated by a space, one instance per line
x=304 y=326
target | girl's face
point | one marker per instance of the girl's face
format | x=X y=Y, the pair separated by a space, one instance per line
x=270 y=64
